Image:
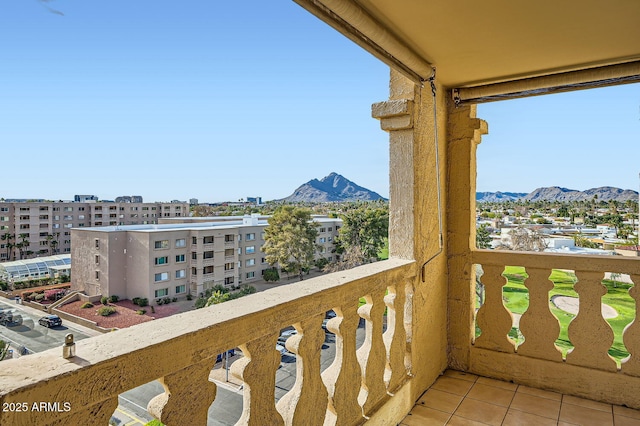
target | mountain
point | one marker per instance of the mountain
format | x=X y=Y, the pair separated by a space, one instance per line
x=556 y=193
x=497 y=197
x=333 y=187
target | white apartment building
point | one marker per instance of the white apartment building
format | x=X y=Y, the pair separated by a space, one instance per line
x=46 y=226
x=175 y=259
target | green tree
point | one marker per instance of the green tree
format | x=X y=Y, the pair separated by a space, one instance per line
x=290 y=239
x=366 y=228
x=7 y=236
x=483 y=237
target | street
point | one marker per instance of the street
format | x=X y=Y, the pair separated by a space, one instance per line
x=26 y=331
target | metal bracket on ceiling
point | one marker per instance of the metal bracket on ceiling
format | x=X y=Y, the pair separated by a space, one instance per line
x=455 y=94
x=432 y=81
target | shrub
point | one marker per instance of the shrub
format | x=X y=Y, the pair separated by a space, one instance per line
x=189 y=296
x=271 y=274
x=114 y=298
x=167 y=300
x=175 y=299
x=87 y=305
x=200 y=303
x=143 y=302
x=39 y=297
x=105 y=311
x=141 y=311
x=104 y=300
x=136 y=300
x=159 y=302
x=54 y=294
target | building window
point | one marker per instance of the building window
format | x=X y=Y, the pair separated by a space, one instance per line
x=250 y=249
x=181 y=242
x=250 y=262
x=207 y=240
x=181 y=273
x=70 y=217
x=80 y=209
x=323 y=240
x=207 y=255
x=251 y=237
x=228 y=252
x=162 y=276
x=70 y=225
x=330 y=229
x=161 y=292
x=81 y=217
x=26 y=226
x=250 y=274
x=163 y=244
x=97 y=275
x=194 y=256
x=181 y=289
x=330 y=239
x=194 y=271
x=228 y=280
x=179 y=258
x=97 y=259
x=194 y=240
x=263 y=260
x=97 y=243
x=207 y=270
x=68 y=209
x=162 y=260
x=228 y=238
x=229 y=266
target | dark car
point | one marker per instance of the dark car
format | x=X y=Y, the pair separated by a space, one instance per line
x=50 y=321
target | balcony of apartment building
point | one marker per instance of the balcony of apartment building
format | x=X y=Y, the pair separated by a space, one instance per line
x=418 y=307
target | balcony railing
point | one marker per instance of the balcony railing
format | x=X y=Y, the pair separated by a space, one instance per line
x=587 y=369
x=355 y=385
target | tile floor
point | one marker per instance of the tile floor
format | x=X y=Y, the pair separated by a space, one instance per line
x=465 y=399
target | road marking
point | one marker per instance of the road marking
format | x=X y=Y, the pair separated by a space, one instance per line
x=135 y=420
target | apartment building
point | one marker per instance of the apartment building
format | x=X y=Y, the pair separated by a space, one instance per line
x=175 y=259
x=34 y=229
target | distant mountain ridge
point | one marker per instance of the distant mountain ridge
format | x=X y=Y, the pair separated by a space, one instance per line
x=333 y=187
x=556 y=193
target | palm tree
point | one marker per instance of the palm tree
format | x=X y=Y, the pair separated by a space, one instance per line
x=8 y=245
x=24 y=244
x=49 y=241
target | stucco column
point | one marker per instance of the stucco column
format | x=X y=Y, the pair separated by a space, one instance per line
x=464 y=131
x=414 y=219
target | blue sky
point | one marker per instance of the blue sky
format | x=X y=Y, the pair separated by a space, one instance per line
x=224 y=100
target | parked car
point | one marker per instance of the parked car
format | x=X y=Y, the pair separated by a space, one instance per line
x=50 y=321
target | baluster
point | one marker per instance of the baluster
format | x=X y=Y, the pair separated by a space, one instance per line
x=408 y=323
x=257 y=369
x=589 y=333
x=494 y=318
x=188 y=393
x=342 y=378
x=395 y=338
x=306 y=402
x=538 y=325
x=631 y=334
x=372 y=354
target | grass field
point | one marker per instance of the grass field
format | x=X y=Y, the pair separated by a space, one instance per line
x=516 y=299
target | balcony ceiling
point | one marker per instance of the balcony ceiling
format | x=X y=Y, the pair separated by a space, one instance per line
x=475 y=43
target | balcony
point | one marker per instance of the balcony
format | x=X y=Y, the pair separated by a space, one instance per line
x=381 y=364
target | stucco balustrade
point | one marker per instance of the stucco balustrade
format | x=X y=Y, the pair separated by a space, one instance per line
x=180 y=351
x=587 y=370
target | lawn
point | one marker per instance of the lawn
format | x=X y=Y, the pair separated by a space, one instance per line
x=516 y=299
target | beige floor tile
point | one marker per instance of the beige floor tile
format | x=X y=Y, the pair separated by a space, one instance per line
x=627 y=412
x=423 y=416
x=481 y=411
x=540 y=393
x=497 y=383
x=461 y=375
x=595 y=405
x=535 y=405
x=520 y=418
x=439 y=400
x=451 y=385
x=566 y=424
x=580 y=415
x=461 y=421
x=625 y=421
x=491 y=394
